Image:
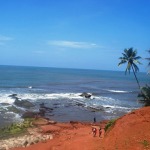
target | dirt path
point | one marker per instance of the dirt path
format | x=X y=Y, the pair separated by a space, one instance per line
x=130 y=132
x=68 y=136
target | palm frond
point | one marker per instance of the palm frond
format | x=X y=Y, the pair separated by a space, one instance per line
x=130 y=52
x=138 y=57
x=135 y=67
x=122 y=62
x=125 y=55
x=128 y=68
x=137 y=62
x=134 y=53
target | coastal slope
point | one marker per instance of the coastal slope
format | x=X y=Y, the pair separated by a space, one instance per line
x=130 y=132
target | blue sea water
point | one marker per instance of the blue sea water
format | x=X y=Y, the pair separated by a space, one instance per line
x=113 y=93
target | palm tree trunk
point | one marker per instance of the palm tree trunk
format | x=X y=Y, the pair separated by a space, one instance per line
x=136 y=78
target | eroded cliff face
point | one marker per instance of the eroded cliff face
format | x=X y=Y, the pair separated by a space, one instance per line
x=130 y=132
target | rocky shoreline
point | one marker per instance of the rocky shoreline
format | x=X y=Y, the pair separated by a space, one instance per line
x=32 y=135
x=131 y=131
x=24 y=141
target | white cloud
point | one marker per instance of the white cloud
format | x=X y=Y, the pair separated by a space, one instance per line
x=4 y=39
x=72 y=44
x=38 y=52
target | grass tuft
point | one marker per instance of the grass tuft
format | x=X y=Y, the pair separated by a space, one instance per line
x=15 y=129
x=145 y=143
x=109 y=124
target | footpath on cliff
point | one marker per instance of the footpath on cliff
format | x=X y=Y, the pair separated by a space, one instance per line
x=130 y=132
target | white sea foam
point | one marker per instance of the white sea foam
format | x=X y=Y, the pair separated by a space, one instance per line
x=11 y=115
x=96 y=102
x=4 y=98
x=33 y=96
x=118 y=91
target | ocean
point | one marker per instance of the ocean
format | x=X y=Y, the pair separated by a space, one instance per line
x=113 y=93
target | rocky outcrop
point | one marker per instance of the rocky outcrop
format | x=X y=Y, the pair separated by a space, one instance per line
x=30 y=114
x=86 y=95
x=24 y=141
x=23 y=103
x=14 y=109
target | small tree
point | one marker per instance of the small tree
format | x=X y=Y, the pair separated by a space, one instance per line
x=144 y=96
x=130 y=57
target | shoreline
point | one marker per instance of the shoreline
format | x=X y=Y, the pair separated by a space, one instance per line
x=131 y=131
x=45 y=131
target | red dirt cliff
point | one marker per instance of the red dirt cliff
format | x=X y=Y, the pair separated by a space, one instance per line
x=130 y=132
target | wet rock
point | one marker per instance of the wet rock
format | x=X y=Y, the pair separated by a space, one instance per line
x=5 y=104
x=14 y=109
x=23 y=103
x=42 y=106
x=42 y=111
x=30 y=114
x=80 y=104
x=86 y=95
x=13 y=95
x=107 y=107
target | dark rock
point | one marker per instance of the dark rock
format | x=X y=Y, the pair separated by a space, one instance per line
x=86 y=95
x=30 y=114
x=23 y=103
x=14 y=109
x=42 y=105
x=13 y=95
x=74 y=122
x=42 y=111
x=5 y=104
x=80 y=104
x=107 y=107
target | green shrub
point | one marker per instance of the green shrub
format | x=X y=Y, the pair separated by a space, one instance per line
x=144 y=96
x=145 y=143
x=15 y=128
x=109 y=124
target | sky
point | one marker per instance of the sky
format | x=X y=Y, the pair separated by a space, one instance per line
x=86 y=34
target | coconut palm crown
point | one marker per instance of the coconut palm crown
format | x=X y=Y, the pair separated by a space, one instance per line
x=130 y=57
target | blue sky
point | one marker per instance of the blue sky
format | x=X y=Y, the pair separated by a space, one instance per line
x=89 y=34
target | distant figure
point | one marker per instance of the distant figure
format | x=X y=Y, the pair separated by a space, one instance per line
x=100 y=132
x=94 y=131
x=94 y=119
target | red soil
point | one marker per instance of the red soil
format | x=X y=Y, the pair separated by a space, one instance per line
x=130 y=132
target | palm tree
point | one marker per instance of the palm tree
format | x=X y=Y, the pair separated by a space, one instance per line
x=130 y=57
